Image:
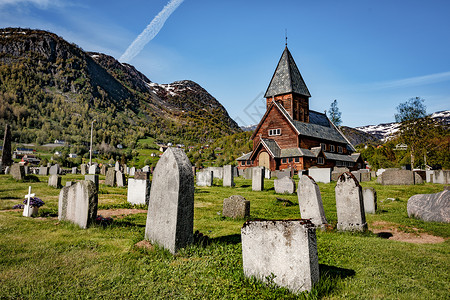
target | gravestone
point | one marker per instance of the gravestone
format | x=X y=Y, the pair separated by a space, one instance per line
x=70 y=183
x=349 y=204
x=236 y=207
x=170 y=217
x=138 y=191
x=310 y=201
x=54 y=170
x=54 y=181
x=146 y=169
x=125 y=169
x=120 y=179
x=78 y=203
x=417 y=178
x=142 y=175
x=370 y=200
x=74 y=170
x=205 y=178
x=235 y=172
x=365 y=176
x=258 y=179
x=228 y=175
x=248 y=173
x=285 y=185
x=83 y=169
x=320 y=174
x=282 y=173
x=357 y=175
x=283 y=250
x=441 y=176
x=93 y=178
x=110 y=177
x=6 y=150
x=397 y=177
x=26 y=169
x=132 y=171
x=117 y=166
x=43 y=171
x=17 y=172
x=7 y=170
x=93 y=169
x=380 y=171
x=103 y=170
x=217 y=172
x=430 y=207
x=429 y=174
x=267 y=174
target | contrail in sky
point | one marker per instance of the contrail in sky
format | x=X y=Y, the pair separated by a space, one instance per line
x=150 y=31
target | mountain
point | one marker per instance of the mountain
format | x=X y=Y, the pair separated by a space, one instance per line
x=357 y=137
x=52 y=89
x=384 y=131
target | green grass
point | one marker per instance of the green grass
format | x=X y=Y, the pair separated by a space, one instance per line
x=42 y=258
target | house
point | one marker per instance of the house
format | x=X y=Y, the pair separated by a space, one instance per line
x=290 y=135
x=72 y=155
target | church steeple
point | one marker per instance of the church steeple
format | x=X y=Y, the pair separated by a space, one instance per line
x=289 y=89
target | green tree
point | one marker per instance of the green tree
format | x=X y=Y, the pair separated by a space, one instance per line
x=334 y=114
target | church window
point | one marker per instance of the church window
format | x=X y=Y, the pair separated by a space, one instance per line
x=340 y=149
x=331 y=148
x=274 y=132
x=284 y=160
x=290 y=159
x=324 y=146
x=297 y=159
x=320 y=160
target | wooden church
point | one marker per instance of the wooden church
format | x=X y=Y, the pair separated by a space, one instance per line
x=290 y=135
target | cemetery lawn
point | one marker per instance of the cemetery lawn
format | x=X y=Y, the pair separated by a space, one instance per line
x=42 y=258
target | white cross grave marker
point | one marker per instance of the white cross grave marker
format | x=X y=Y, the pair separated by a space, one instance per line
x=26 y=209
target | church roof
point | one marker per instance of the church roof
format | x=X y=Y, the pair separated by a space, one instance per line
x=286 y=78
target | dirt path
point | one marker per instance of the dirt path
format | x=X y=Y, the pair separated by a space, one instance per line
x=391 y=232
x=119 y=213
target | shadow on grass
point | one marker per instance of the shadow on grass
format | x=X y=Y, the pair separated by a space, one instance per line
x=385 y=235
x=9 y=198
x=245 y=186
x=231 y=239
x=329 y=279
x=336 y=272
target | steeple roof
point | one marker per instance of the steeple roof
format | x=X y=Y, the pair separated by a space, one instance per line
x=286 y=78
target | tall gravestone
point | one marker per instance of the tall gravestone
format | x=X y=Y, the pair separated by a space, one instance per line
x=117 y=166
x=285 y=250
x=78 y=203
x=349 y=204
x=120 y=179
x=83 y=169
x=110 y=177
x=370 y=200
x=54 y=170
x=228 y=175
x=17 y=172
x=54 y=181
x=138 y=191
x=170 y=217
x=310 y=201
x=6 y=152
x=103 y=170
x=258 y=178
x=248 y=173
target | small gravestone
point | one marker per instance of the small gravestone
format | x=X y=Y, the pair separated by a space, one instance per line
x=235 y=172
x=70 y=183
x=120 y=179
x=430 y=207
x=54 y=181
x=285 y=185
x=74 y=170
x=43 y=171
x=103 y=170
x=117 y=166
x=357 y=175
x=397 y=177
x=93 y=178
x=285 y=251
x=6 y=149
x=370 y=200
x=54 y=169
x=217 y=172
x=17 y=172
x=138 y=191
x=310 y=201
x=142 y=175
x=365 y=176
x=248 y=173
x=83 y=169
x=125 y=169
x=267 y=174
x=26 y=170
x=146 y=169
x=110 y=177
x=417 y=178
x=93 y=169
x=282 y=173
x=132 y=171
x=205 y=178
x=228 y=175
x=170 y=217
x=349 y=204
x=258 y=179
x=236 y=207
x=320 y=174
x=78 y=203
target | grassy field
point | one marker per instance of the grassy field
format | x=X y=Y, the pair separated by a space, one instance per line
x=43 y=258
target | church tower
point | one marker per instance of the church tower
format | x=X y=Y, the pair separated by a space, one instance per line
x=288 y=88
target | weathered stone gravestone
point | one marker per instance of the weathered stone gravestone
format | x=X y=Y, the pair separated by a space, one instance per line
x=74 y=170
x=43 y=171
x=217 y=172
x=117 y=166
x=257 y=178
x=248 y=173
x=286 y=250
x=417 y=178
x=205 y=178
x=396 y=177
x=320 y=174
x=103 y=170
x=146 y=169
x=54 y=169
x=310 y=201
x=125 y=169
x=228 y=175
x=285 y=185
x=6 y=150
x=429 y=175
x=70 y=183
x=93 y=178
x=365 y=176
x=349 y=204
x=132 y=171
x=93 y=169
x=54 y=181
x=282 y=173
x=430 y=207
x=267 y=174
x=120 y=179
x=370 y=200
x=110 y=177
x=441 y=176
x=142 y=175
x=236 y=207
x=83 y=169
x=26 y=169
x=78 y=203
x=138 y=191
x=170 y=217
x=17 y=172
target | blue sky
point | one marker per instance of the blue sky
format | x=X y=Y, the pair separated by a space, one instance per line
x=369 y=55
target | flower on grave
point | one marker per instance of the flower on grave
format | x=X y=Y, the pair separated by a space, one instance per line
x=103 y=221
x=34 y=202
x=18 y=206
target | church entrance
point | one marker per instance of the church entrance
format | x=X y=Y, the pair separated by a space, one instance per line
x=264 y=160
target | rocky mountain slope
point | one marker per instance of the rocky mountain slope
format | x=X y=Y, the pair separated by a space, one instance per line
x=51 y=89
